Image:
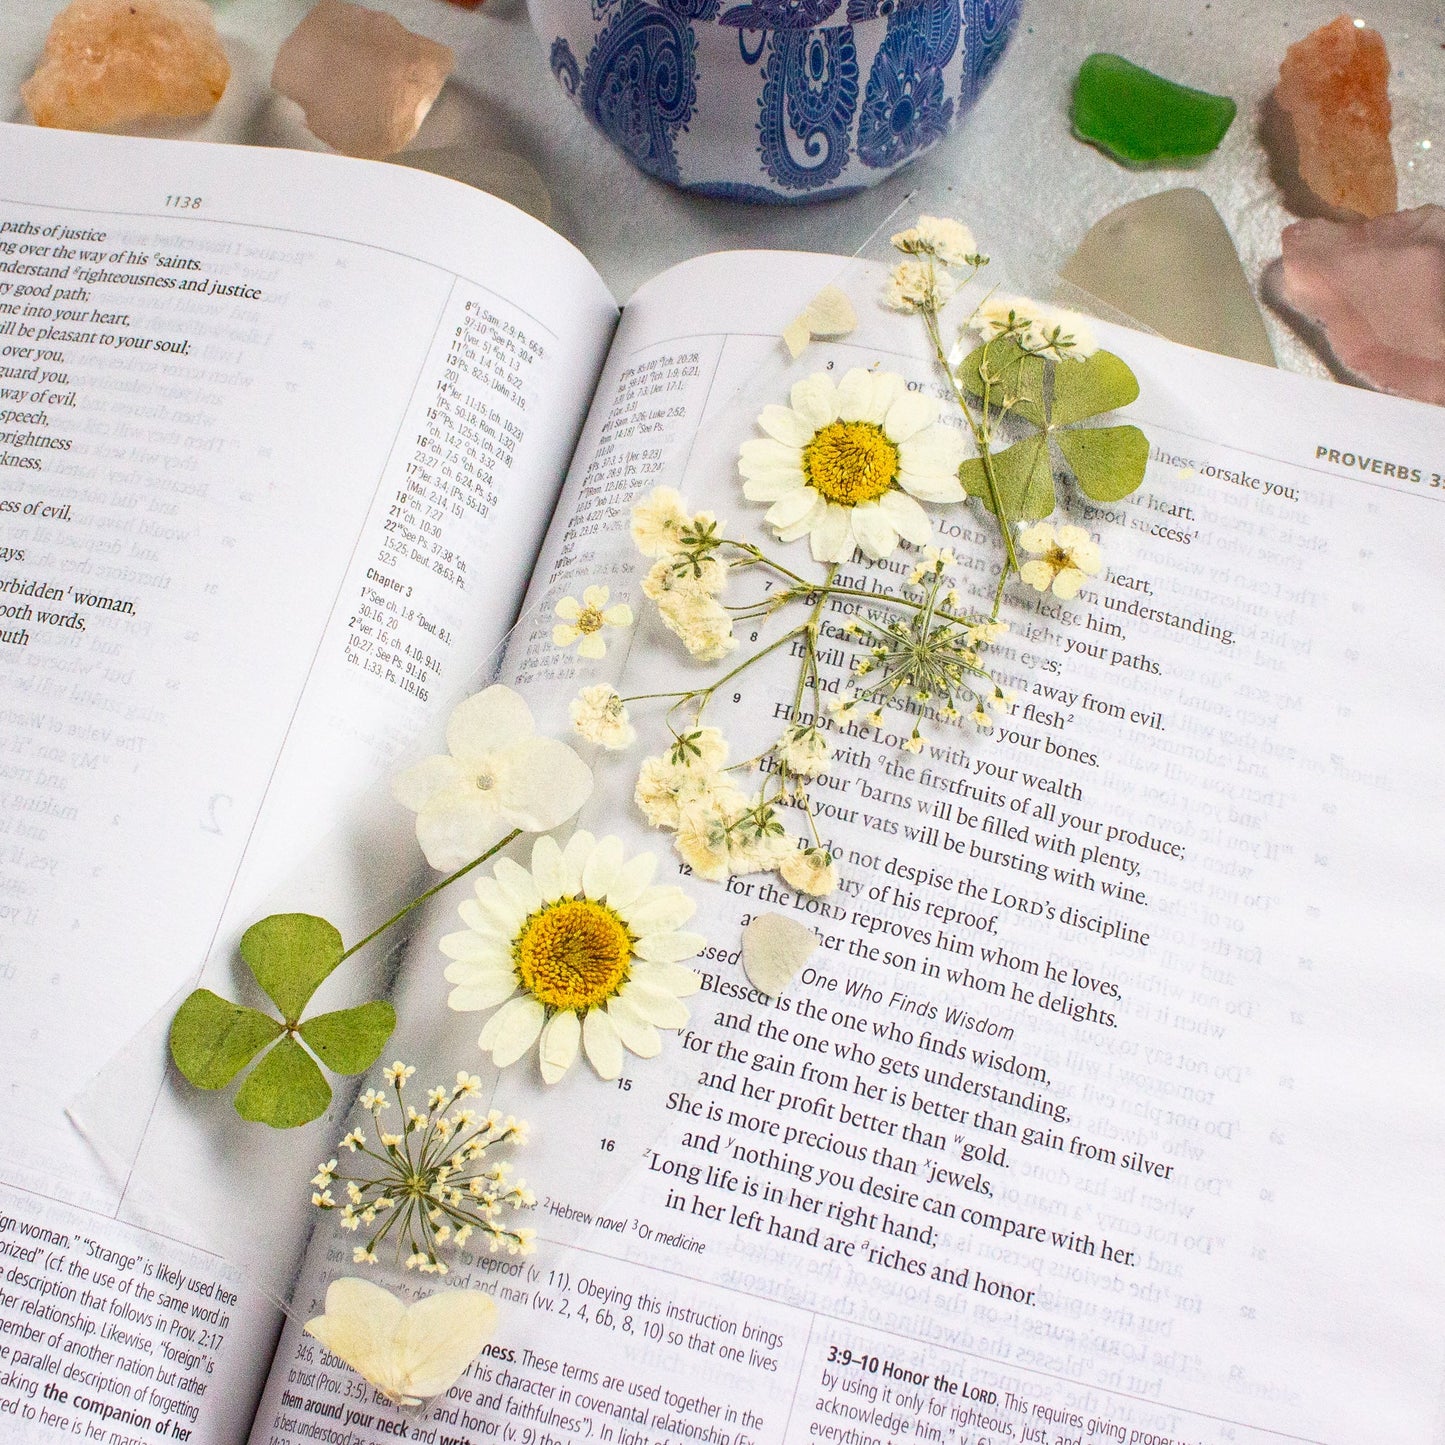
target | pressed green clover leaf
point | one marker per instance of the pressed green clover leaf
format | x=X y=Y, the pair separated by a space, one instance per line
x=213 y=1039
x=1107 y=462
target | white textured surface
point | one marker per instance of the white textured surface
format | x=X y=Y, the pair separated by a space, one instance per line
x=1028 y=188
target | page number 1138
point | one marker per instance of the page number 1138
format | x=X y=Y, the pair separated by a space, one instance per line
x=184 y=203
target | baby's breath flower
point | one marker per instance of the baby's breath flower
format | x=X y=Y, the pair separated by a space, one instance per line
x=918 y=286
x=424 y=1182
x=805 y=750
x=374 y=1100
x=704 y=624
x=657 y=523
x=949 y=241
x=600 y=716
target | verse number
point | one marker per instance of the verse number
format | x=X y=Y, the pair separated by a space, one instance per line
x=608 y=1145
x=184 y=203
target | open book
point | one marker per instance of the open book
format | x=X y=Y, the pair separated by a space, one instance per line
x=1110 y=1107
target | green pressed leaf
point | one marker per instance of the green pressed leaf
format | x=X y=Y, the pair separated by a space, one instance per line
x=1099 y=383
x=1108 y=461
x=1012 y=372
x=1024 y=476
x=351 y=1039
x=285 y=1089
x=291 y=954
x=213 y=1039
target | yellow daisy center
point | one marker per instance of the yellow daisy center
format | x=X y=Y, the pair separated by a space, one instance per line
x=590 y=619
x=573 y=954
x=850 y=462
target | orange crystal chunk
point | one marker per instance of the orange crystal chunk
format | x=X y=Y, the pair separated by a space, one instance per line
x=1334 y=85
x=107 y=62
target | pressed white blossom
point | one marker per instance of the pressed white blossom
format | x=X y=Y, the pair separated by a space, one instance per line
x=665 y=577
x=704 y=624
x=1064 y=558
x=846 y=465
x=583 y=622
x=805 y=750
x=409 y=1352
x=579 y=950
x=600 y=716
x=730 y=833
x=658 y=521
x=497 y=776
x=918 y=286
x=809 y=870
x=948 y=240
x=775 y=947
x=1047 y=331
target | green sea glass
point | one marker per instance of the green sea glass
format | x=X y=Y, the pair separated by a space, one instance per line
x=1139 y=117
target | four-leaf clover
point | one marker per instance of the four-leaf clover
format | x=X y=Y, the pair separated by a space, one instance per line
x=213 y=1039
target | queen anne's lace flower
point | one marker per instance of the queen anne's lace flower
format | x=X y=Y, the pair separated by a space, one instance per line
x=497 y=776
x=1065 y=557
x=583 y=622
x=578 y=950
x=844 y=464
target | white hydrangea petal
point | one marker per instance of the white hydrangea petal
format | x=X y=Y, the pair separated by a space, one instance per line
x=473 y=997
x=659 y=1008
x=785 y=425
x=492 y=719
x=1037 y=538
x=907 y=518
x=635 y=1032
x=669 y=947
x=601 y=1043
x=815 y=399
x=618 y=616
x=601 y=867
x=909 y=415
x=413 y=786
x=832 y=539
x=512 y=1030
x=875 y=534
x=518 y=885
x=558 y=1046
x=542 y=784
x=453 y=828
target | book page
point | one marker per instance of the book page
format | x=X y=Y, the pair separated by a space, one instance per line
x=1108 y=1108
x=278 y=437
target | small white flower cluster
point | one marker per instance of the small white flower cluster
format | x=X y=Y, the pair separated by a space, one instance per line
x=1047 y=331
x=720 y=830
x=600 y=716
x=925 y=282
x=424 y=1186
x=687 y=578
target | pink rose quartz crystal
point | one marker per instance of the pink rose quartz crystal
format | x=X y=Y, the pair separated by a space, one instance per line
x=107 y=62
x=1377 y=288
x=1334 y=86
x=365 y=82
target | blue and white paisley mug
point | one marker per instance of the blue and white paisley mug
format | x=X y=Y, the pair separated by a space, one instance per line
x=773 y=100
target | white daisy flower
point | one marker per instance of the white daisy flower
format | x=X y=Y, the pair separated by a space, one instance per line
x=1065 y=557
x=580 y=950
x=497 y=776
x=844 y=464
x=582 y=622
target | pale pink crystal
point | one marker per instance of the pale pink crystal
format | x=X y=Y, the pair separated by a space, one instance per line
x=364 y=80
x=1334 y=85
x=1377 y=288
x=107 y=62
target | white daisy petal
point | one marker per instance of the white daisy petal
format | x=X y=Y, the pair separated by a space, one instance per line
x=518 y=885
x=558 y=1045
x=867 y=395
x=512 y=1030
x=833 y=536
x=669 y=947
x=472 y=997
x=907 y=518
x=635 y=1032
x=601 y=867
x=471 y=947
x=817 y=510
x=875 y=534
x=815 y=399
x=671 y=978
x=660 y=908
x=791 y=508
x=574 y=860
x=661 y=1010
x=763 y=455
x=909 y=415
x=493 y=972
x=784 y=424
x=601 y=1043
x=631 y=880
x=547 y=869
x=774 y=486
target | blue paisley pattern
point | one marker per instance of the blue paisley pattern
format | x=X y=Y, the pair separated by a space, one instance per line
x=988 y=26
x=762 y=196
x=810 y=92
x=904 y=107
x=780 y=14
x=564 y=67
x=640 y=85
